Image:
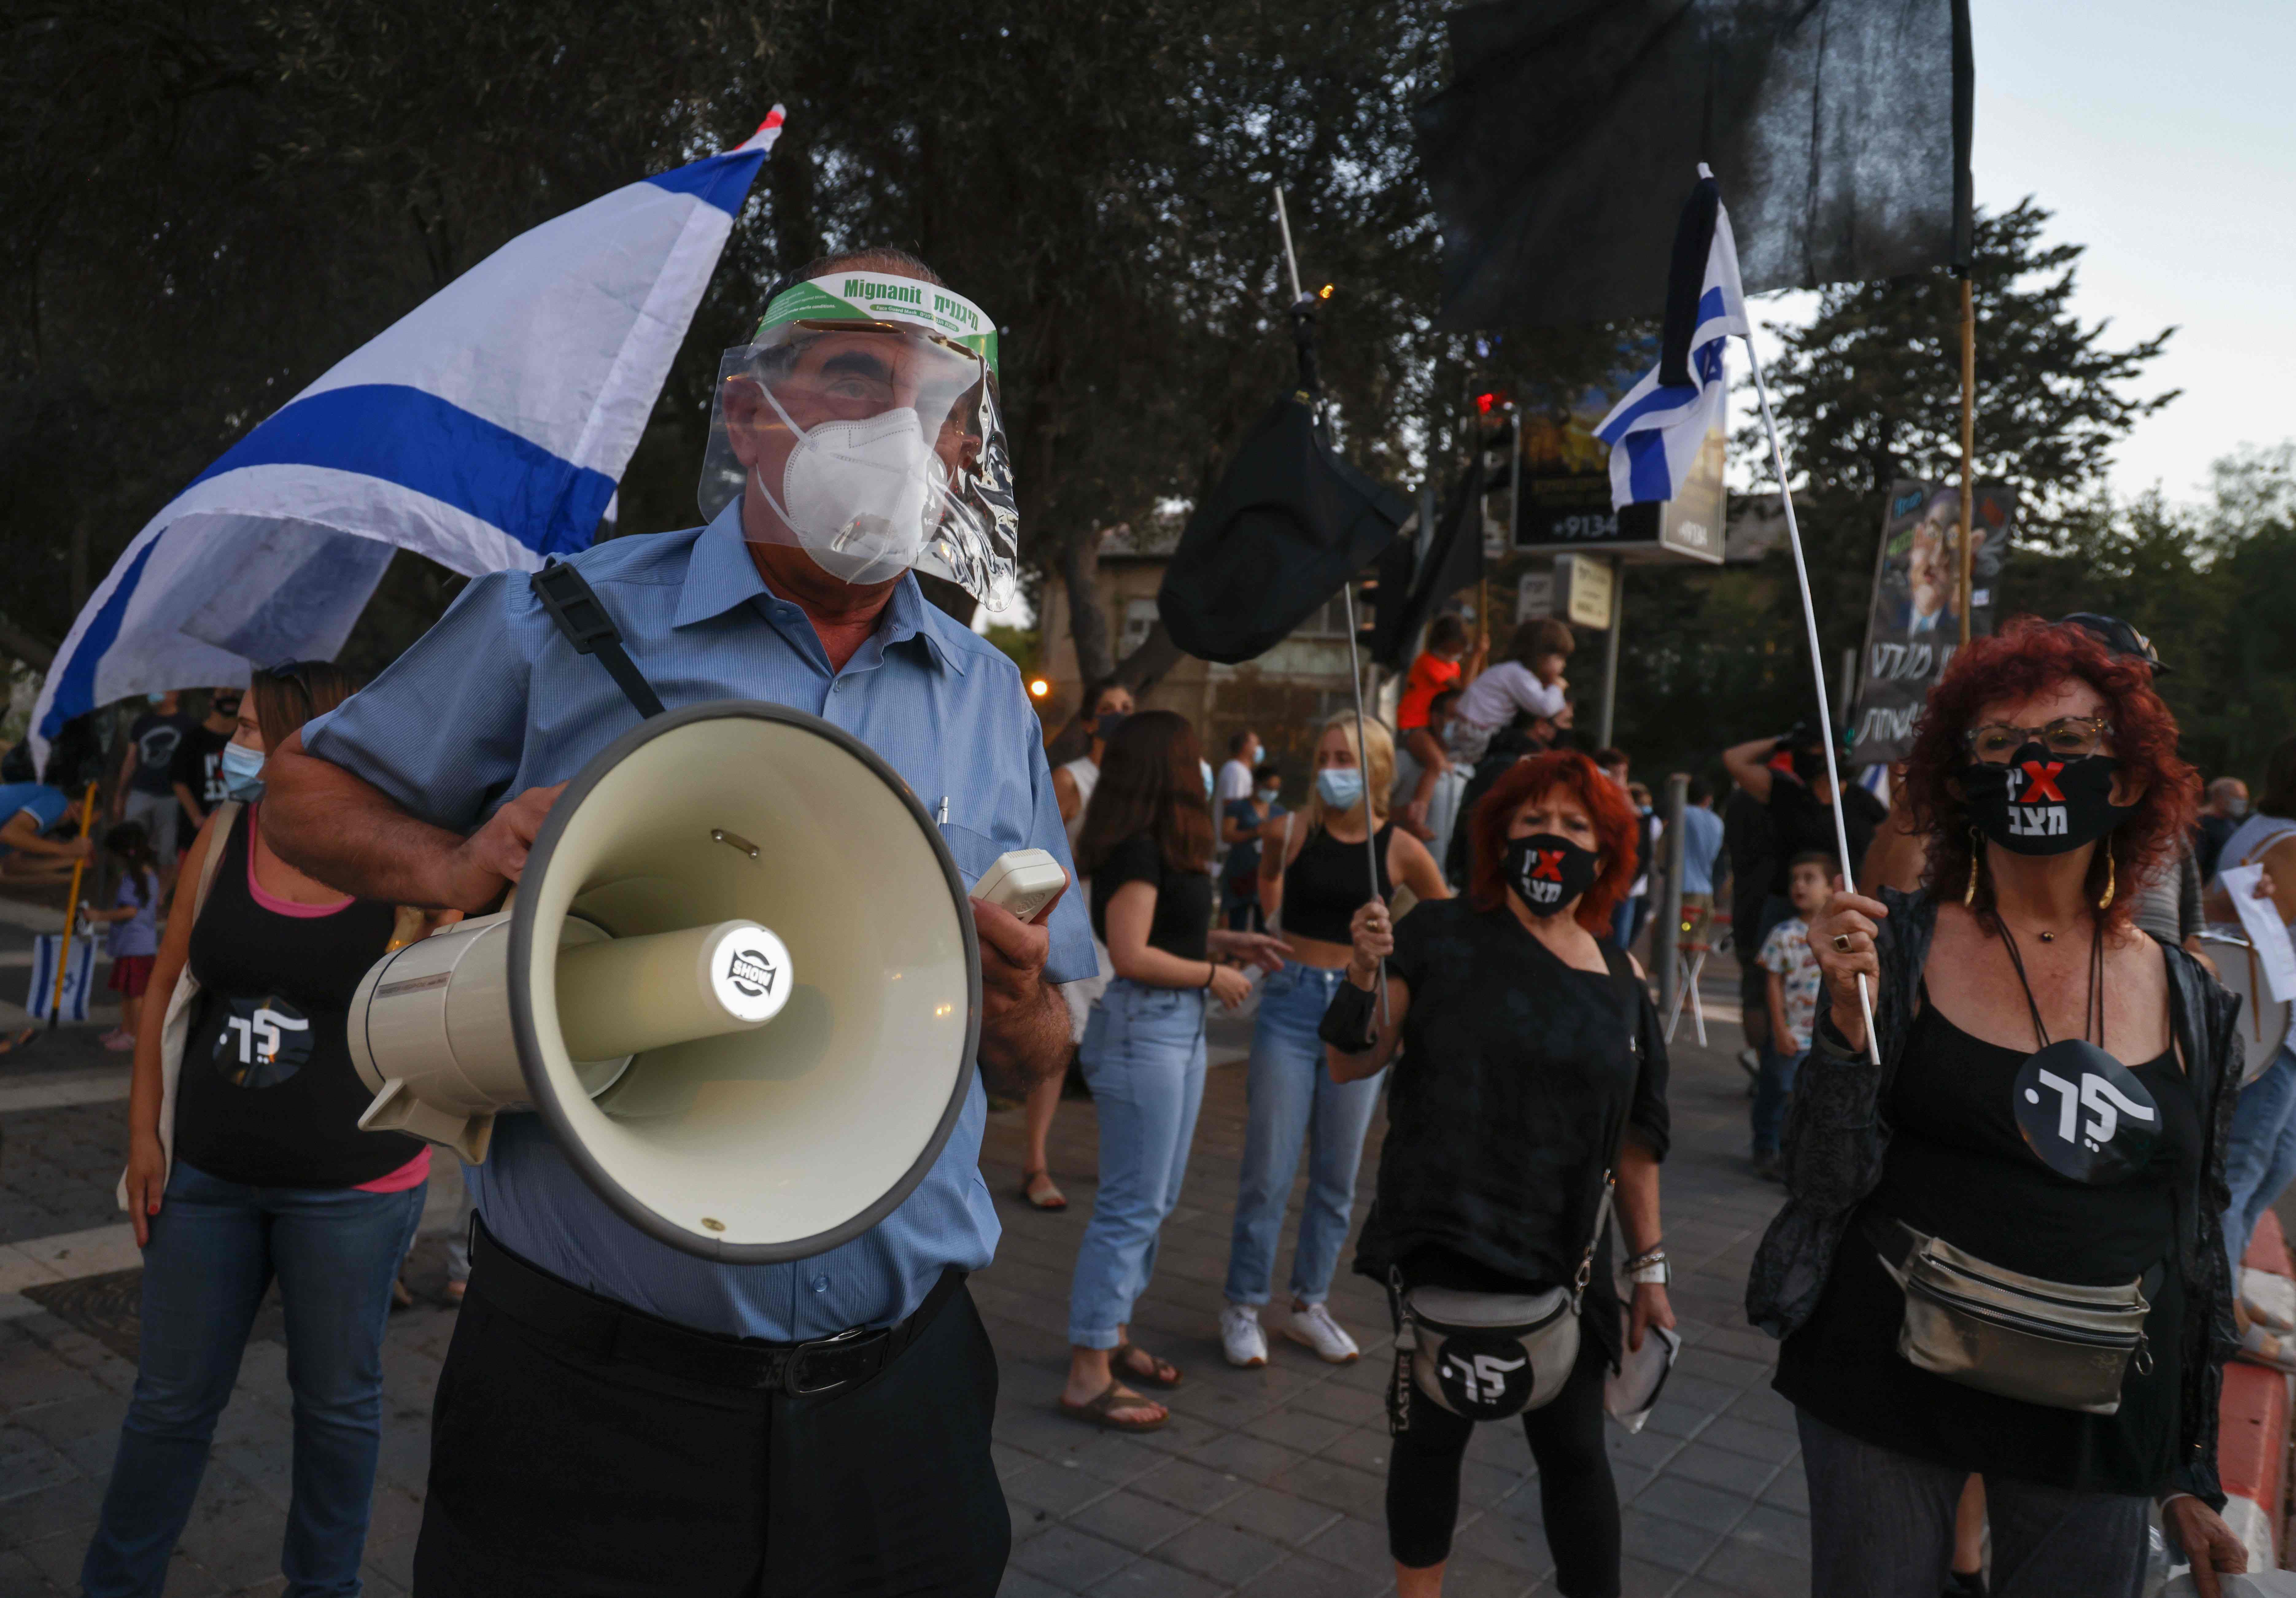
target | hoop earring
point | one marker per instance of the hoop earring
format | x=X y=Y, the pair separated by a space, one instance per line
x=2106 y=902
x=1976 y=852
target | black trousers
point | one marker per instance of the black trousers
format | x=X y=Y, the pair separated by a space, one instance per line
x=556 y=1473
x=1580 y=1499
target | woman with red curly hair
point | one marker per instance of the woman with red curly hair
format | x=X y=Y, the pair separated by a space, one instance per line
x=2000 y=1252
x=1532 y=1076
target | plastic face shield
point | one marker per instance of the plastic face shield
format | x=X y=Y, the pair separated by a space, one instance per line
x=867 y=412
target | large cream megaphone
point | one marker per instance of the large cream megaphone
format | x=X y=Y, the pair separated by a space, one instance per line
x=739 y=981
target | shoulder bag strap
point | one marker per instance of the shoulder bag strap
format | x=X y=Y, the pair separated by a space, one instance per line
x=227 y=816
x=584 y=618
x=1630 y=1000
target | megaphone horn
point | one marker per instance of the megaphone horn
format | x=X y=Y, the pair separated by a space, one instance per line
x=739 y=982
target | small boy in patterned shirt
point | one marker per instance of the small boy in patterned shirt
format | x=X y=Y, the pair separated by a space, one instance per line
x=1793 y=990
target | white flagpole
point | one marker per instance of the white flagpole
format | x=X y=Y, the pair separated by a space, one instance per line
x=1354 y=668
x=1816 y=665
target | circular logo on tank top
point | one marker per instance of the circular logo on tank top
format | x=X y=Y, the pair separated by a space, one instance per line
x=264 y=1041
x=2085 y=1113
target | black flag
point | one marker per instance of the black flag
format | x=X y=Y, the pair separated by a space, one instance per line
x=1840 y=127
x=1455 y=560
x=1289 y=524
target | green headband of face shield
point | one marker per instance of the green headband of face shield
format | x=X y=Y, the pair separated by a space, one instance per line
x=938 y=312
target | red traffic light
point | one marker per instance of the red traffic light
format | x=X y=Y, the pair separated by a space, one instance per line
x=1484 y=402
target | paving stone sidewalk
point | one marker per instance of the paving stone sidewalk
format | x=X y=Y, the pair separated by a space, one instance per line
x=1265 y=1482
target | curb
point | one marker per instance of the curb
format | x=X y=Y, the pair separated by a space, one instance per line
x=2252 y=1425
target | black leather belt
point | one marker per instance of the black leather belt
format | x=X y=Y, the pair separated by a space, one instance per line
x=573 y=1318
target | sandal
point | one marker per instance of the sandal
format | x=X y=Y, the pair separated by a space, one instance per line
x=1095 y=1411
x=23 y=1039
x=1119 y=1361
x=1054 y=1199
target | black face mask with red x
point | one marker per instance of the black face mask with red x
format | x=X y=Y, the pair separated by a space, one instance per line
x=2041 y=804
x=1549 y=872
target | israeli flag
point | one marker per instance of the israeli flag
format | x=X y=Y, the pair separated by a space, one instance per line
x=487 y=430
x=79 y=977
x=1656 y=432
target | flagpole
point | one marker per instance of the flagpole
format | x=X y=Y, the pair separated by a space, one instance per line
x=1348 y=596
x=71 y=908
x=1816 y=665
x=1968 y=445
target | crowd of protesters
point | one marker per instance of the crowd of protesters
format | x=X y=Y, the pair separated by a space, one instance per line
x=1442 y=918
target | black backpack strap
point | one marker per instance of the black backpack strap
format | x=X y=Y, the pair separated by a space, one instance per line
x=583 y=618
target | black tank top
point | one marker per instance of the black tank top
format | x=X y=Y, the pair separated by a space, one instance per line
x=1328 y=882
x=268 y=1096
x=1959 y=1167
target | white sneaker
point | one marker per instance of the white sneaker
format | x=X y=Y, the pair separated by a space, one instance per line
x=1241 y=1338
x=1315 y=1327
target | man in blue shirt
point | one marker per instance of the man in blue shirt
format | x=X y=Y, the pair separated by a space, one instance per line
x=29 y=813
x=1702 y=850
x=613 y=1415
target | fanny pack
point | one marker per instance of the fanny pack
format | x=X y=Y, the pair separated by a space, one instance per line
x=2052 y=1343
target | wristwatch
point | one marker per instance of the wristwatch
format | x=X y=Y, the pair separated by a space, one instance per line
x=1650 y=1269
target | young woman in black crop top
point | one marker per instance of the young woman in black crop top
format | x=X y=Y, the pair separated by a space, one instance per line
x=258 y=1172
x=1146 y=848
x=1313 y=876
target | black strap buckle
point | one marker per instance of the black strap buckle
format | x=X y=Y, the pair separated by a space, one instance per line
x=841 y=1351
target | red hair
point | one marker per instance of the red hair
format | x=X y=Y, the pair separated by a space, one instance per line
x=2027 y=658
x=1607 y=806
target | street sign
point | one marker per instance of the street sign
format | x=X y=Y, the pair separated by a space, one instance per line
x=1588 y=586
x=1534 y=596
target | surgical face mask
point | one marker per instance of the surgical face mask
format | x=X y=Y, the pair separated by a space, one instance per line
x=1105 y=724
x=1266 y=796
x=242 y=773
x=2039 y=805
x=2236 y=809
x=861 y=496
x=1549 y=872
x=1340 y=787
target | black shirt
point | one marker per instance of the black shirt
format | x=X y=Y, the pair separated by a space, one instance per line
x=1183 y=920
x=198 y=765
x=1799 y=823
x=1328 y=882
x=1516 y=1076
x=1958 y=1168
x=2209 y=839
x=268 y=1095
x=155 y=737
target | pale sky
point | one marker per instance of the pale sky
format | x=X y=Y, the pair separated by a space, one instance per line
x=2164 y=136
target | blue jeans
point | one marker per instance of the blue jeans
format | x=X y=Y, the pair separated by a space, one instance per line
x=1292 y=1095
x=2260 y=1160
x=1143 y=1056
x=1773 y=1092
x=214 y=1248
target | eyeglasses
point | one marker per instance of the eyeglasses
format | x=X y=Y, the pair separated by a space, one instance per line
x=2068 y=738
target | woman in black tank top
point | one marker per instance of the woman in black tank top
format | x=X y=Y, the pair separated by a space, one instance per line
x=1314 y=875
x=258 y=1172
x=2044 y=1110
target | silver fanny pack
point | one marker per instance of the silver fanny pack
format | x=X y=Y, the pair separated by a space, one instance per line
x=1489 y=1355
x=2054 y=1343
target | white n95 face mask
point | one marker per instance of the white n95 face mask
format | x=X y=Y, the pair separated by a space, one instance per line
x=861 y=496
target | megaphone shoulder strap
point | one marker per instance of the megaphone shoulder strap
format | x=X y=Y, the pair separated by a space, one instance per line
x=583 y=616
